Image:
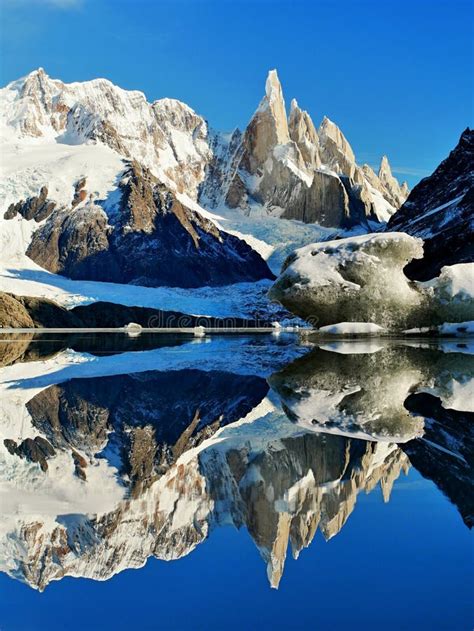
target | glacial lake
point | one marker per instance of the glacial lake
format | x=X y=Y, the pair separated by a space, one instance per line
x=235 y=482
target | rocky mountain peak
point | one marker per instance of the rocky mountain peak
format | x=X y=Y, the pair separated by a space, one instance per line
x=284 y=157
x=392 y=185
x=273 y=89
x=384 y=169
x=303 y=133
x=274 y=103
x=275 y=163
x=336 y=147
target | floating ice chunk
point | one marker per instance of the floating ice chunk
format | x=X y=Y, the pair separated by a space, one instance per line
x=133 y=329
x=361 y=279
x=353 y=328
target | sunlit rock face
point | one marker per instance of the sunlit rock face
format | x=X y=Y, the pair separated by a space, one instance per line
x=362 y=279
x=294 y=170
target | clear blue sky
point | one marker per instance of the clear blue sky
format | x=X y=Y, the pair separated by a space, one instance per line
x=397 y=77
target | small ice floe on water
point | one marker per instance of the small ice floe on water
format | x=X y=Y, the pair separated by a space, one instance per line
x=352 y=328
x=277 y=328
x=199 y=331
x=452 y=329
x=133 y=329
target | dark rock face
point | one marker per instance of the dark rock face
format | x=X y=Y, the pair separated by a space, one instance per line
x=37 y=208
x=440 y=210
x=36 y=449
x=150 y=239
x=446 y=455
x=108 y=314
x=46 y=313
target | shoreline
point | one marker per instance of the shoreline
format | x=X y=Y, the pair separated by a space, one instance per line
x=305 y=335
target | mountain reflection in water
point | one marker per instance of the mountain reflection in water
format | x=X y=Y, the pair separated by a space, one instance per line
x=116 y=450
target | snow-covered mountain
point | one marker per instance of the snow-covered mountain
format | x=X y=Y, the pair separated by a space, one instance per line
x=299 y=172
x=440 y=210
x=166 y=136
x=69 y=151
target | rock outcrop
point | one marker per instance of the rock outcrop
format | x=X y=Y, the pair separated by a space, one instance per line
x=362 y=279
x=440 y=210
x=32 y=449
x=37 y=208
x=13 y=313
x=149 y=237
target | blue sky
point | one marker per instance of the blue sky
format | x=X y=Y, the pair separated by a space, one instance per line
x=397 y=77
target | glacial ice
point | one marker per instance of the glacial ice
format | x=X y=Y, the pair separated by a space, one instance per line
x=361 y=279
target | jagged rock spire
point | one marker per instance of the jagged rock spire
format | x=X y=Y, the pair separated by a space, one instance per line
x=303 y=133
x=384 y=169
x=333 y=138
x=274 y=101
x=392 y=185
x=268 y=127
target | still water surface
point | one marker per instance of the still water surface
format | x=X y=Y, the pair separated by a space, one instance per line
x=166 y=482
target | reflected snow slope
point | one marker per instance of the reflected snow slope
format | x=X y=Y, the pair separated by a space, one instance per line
x=114 y=453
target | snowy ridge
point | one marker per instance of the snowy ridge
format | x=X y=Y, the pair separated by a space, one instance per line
x=54 y=134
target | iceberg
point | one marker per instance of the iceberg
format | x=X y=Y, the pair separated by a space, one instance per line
x=362 y=279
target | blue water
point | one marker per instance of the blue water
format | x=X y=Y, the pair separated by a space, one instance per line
x=402 y=564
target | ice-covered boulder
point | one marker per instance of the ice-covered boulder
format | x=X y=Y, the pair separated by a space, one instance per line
x=362 y=279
